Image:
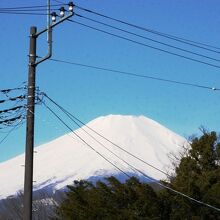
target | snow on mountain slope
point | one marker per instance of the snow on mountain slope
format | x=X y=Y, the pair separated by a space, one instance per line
x=68 y=158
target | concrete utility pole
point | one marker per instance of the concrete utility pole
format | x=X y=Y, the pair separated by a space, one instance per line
x=33 y=62
x=28 y=179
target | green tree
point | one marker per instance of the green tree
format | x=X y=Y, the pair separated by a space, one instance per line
x=198 y=175
x=110 y=200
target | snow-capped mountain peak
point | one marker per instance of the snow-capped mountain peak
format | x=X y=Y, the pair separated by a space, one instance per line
x=68 y=158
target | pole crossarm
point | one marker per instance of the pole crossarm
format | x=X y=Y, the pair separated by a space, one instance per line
x=54 y=24
x=49 y=29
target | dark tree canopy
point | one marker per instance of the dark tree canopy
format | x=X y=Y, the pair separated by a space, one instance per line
x=197 y=175
x=110 y=200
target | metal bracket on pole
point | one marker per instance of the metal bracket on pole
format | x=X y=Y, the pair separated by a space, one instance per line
x=49 y=29
x=49 y=54
x=55 y=24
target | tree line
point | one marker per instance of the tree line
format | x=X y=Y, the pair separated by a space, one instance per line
x=197 y=174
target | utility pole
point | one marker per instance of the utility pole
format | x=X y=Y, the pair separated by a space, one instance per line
x=33 y=62
x=28 y=179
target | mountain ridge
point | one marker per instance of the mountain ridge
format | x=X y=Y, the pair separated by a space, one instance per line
x=59 y=162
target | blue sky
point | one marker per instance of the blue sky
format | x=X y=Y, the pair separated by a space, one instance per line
x=91 y=93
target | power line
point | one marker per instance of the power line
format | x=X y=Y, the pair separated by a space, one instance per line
x=12 y=89
x=11 y=109
x=148 y=177
x=4 y=138
x=21 y=97
x=169 y=36
x=98 y=141
x=147 y=38
x=58 y=1
x=11 y=114
x=143 y=44
x=11 y=120
x=132 y=167
x=30 y=7
x=26 y=10
x=11 y=117
x=133 y=74
x=46 y=121
x=101 y=144
x=21 y=13
x=9 y=132
x=71 y=130
x=74 y=119
x=52 y=125
x=178 y=192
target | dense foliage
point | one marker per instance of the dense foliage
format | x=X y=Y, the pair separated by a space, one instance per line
x=111 y=200
x=197 y=175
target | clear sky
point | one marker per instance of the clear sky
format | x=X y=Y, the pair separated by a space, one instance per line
x=90 y=93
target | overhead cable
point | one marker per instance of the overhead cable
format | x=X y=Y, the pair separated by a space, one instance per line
x=11 y=120
x=179 y=193
x=97 y=152
x=101 y=144
x=147 y=38
x=74 y=119
x=58 y=1
x=144 y=44
x=146 y=176
x=11 y=89
x=11 y=109
x=169 y=36
x=133 y=74
x=27 y=10
x=9 y=132
x=21 y=13
x=30 y=7
x=21 y=97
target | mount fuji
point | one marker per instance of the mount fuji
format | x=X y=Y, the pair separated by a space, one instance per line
x=68 y=158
